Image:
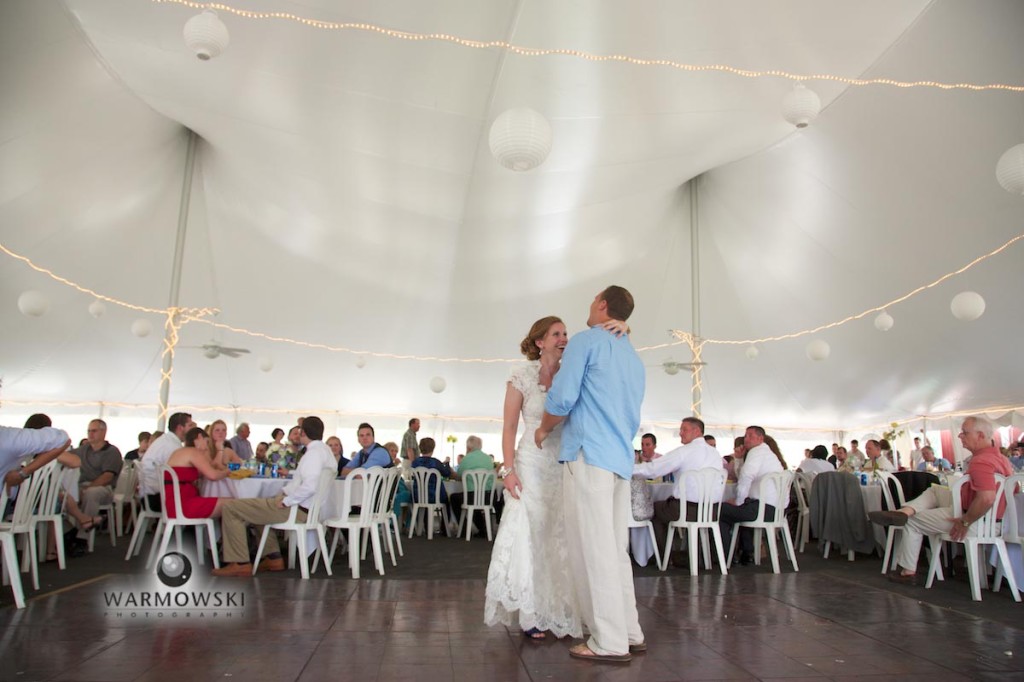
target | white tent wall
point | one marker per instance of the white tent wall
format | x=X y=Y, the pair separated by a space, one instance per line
x=345 y=195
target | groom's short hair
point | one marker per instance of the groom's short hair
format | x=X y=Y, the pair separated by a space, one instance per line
x=620 y=302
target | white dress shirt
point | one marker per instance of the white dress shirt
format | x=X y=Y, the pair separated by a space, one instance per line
x=812 y=465
x=758 y=462
x=153 y=461
x=881 y=463
x=19 y=444
x=301 y=489
x=696 y=454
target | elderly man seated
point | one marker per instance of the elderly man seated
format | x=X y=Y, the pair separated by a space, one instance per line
x=876 y=461
x=695 y=453
x=929 y=462
x=101 y=464
x=475 y=459
x=931 y=512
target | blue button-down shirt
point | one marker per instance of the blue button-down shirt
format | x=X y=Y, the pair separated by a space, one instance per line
x=600 y=386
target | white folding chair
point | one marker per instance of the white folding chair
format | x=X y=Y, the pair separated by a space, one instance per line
x=708 y=485
x=391 y=526
x=890 y=483
x=780 y=482
x=124 y=493
x=10 y=564
x=424 y=480
x=299 y=529
x=369 y=518
x=48 y=516
x=141 y=526
x=635 y=523
x=22 y=522
x=984 y=531
x=476 y=486
x=1011 y=522
x=802 y=489
x=179 y=520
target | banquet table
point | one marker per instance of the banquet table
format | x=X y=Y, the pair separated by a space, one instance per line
x=640 y=538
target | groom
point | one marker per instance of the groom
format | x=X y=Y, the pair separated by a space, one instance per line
x=598 y=391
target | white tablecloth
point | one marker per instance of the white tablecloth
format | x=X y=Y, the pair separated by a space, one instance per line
x=640 y=538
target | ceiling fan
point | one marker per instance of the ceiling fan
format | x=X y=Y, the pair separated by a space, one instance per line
x=214 y=350
x=671 y=367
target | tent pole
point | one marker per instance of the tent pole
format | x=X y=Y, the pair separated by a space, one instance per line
x=695 y=342
x=173 y=322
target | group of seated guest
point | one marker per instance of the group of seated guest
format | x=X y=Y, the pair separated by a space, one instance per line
x=475 y=459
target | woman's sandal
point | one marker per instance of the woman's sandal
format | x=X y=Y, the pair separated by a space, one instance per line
x=535 y=634
x=88 y=525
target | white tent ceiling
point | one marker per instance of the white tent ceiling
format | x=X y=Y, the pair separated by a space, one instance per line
x=345 y=195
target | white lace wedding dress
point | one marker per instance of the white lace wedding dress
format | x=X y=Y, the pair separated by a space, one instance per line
x=528 y=583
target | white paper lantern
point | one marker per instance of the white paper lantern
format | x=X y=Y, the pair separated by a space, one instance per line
x=142 y=328
x=32 y=303
x=752 y=352
x=360 y=362
x=520 y=139
x=818 y=350
x=97 y=309
x=967 y=306
x=884 y=322
x=1010 y=170
x=800 y=106
x=206 y=35
x=266 y=364
x=438 y=384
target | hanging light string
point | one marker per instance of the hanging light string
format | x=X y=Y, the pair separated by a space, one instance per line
x=582 y=54
x=685 y=337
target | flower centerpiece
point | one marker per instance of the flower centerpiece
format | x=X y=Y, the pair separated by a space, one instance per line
x=453 y=439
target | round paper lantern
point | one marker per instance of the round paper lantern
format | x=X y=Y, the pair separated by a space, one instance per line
x=752 y=352
x=1010 y=170
x=266 y=364
x=97 y=309
x=438 y=384
x=818 y=350
x=967 y=306
x=360 y=363
x=142 y=328
x=800 y=106
x=884 y=322
x=520 y=139
x=33 y=303
x=206 y=35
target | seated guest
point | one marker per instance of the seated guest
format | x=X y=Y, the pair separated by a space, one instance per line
x=221 y=453
x=759 y=460
x=261 y=452
x=371 y=453
x=334 y=443
x=426 y=460
x=693 y=454
x=876 y=461
x=101 y=463
x=475 y=460
x=240 y=442
x=156 y=456
x=1017 y=455
x=734 y=461
x=932 y=511
x=277 y=449
x=839 y=458
x=298 y=492
x=710 y=440
x=816 y=463
x=192 y=463
x=855 y=459
x=929 y=462
x=392 y=449
x=138 y=452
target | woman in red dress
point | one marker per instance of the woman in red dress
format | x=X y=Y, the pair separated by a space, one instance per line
x=192 y=463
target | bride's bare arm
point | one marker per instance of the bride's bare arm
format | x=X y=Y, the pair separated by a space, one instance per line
x=617 y=327
x=510 y=425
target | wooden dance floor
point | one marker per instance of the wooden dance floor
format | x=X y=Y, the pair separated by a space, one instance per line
x=423 y=621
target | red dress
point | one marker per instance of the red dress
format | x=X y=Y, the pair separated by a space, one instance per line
x=194 y=506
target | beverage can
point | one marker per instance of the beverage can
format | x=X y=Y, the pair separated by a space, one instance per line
x=863 y=479
x=262 y=468
x=273 y=471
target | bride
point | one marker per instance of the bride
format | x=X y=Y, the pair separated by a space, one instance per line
x=528 y=583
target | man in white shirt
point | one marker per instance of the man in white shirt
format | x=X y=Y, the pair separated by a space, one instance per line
x=758 y=461
x=693 y=454
x=916 y=455
x=17 y=445
x=160 y=450
x=875 y=460
x=298 y=492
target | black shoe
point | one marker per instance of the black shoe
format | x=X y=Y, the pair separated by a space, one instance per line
x=744 y=559
x=79 y=548
x=888 y=518
x=680 y=559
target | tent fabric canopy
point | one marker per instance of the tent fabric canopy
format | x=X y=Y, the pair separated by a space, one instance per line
x=344 y=194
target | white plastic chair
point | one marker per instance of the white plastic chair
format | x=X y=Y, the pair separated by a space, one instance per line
x=478 y=499
x=369 y=518
x=391 y=525
x=180 y=520
x=48 y=516
x=124 y=493
x=985 y=531
x=802 y=489
x=298 y=529
x=426 y=479
x=22 y=523
x=890 y=482
x=1011 y=522
x=10 y=564
x=710 y=486
x=141 y=526
x=781 y=482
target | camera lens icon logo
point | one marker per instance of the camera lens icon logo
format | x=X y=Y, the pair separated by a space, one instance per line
x=174 y=569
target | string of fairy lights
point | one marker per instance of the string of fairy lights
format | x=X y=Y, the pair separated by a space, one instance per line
x=525 y=51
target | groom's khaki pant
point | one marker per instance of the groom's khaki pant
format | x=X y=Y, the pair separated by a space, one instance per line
x=597 y=512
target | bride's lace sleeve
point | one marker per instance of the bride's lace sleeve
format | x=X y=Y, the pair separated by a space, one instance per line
x=519 y=378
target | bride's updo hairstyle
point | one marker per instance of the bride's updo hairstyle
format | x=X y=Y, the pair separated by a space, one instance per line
x=537 y=332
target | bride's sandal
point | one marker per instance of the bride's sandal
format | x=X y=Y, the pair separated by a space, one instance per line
x=535 y=634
